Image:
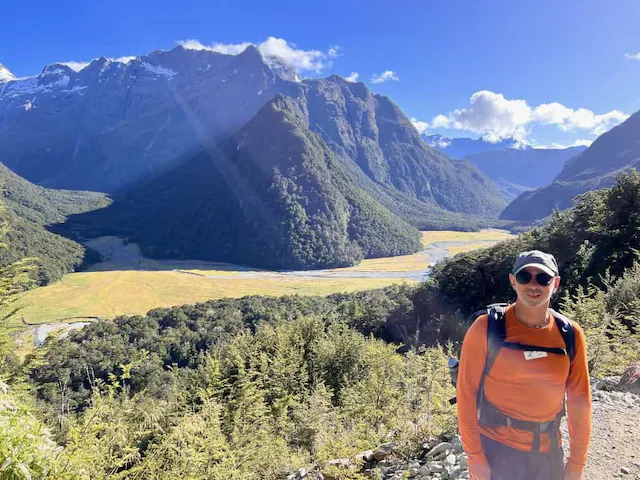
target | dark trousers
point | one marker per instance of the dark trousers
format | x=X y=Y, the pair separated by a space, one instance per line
x=507 y=463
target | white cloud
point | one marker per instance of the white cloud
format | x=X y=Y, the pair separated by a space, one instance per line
x=490 y=114
x=385 y=76
x=568 y=119
x=496 y=117
x=298 y=59
x=124 y=59
x=353 y=77
x=581 y=142
x=75 y=66
x=230 y=48
x=192 y=44
x=420 y=126
x=442 y=143
x=632 y=56
x=226 y=48
x=440 y=121
x=334 y=51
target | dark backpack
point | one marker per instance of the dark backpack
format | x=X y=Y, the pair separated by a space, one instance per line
x=496 y=339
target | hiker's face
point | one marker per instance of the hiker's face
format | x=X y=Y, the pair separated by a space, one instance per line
x=533 y=294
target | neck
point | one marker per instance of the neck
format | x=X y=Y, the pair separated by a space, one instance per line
x=534 y=317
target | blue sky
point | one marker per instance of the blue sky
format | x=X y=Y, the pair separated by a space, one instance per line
x=548 y=72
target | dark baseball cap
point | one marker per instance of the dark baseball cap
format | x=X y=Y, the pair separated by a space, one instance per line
x=535 y=258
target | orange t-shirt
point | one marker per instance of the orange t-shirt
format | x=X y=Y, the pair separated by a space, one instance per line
x=530 y=390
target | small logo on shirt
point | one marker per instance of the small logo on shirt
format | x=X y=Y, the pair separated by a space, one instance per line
x=534 y=355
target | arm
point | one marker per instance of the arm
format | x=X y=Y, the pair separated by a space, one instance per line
x=578 y=407
x=472 y=360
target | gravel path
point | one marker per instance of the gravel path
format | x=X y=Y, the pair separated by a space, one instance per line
x=614 y=451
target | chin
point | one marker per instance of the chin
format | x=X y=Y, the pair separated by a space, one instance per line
x=531 y=302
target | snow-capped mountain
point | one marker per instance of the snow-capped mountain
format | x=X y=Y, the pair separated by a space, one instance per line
x=116 y=120
x=461 y=147
x=5 y=74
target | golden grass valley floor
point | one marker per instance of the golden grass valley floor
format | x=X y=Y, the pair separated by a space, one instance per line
x=128 y=283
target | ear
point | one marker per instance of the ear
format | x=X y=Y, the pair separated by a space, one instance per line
x=556 y=284
x=512 y=280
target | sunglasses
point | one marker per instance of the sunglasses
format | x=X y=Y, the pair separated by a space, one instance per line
x=523 y=277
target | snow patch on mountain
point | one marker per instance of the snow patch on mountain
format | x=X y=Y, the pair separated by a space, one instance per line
x=28 y=105
x=158 y=70
x=75 y=66
x=5 y=74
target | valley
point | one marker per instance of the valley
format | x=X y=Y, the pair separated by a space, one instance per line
x=127 y=283
x=234 y=261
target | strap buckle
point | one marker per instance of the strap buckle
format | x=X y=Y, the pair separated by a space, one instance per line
x=509 y=422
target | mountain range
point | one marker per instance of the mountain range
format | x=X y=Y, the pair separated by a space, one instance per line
x=461 y=147
x=338 y=173
x=282 y=204
x=307 y=200
x=116 y=121
x=514 y=166
x=519 y=170
x=596 y=167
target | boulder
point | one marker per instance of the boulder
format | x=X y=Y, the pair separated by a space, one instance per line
x=366 y=456
x=608 y=384
x=383 y=451
x=439 y=449
x=630 y=380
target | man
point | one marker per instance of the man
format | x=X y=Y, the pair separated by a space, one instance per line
x=509 y=415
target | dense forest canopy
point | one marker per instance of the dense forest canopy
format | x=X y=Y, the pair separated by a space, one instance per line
x=30 y=209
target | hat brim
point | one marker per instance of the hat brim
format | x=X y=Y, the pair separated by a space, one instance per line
x=539 y=266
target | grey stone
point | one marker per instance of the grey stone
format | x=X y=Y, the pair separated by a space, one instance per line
x=457 y=444
x=454 y=472
x=435 y=467
x=299 y=475
x=608 y=384
x=424 y=470
x=383 y=451
x=430 y=443
x=440 y=448
x=366 y=456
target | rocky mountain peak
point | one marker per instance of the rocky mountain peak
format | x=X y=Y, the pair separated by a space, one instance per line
x=5 y=74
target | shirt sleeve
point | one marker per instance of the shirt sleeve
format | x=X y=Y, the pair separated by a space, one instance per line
x=579 y=405
x=472 y=361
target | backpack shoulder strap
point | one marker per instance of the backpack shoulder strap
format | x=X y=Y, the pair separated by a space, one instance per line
x=568 y=333
x=496 y=335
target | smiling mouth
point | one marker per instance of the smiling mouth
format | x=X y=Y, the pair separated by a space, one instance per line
x=533 y=295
